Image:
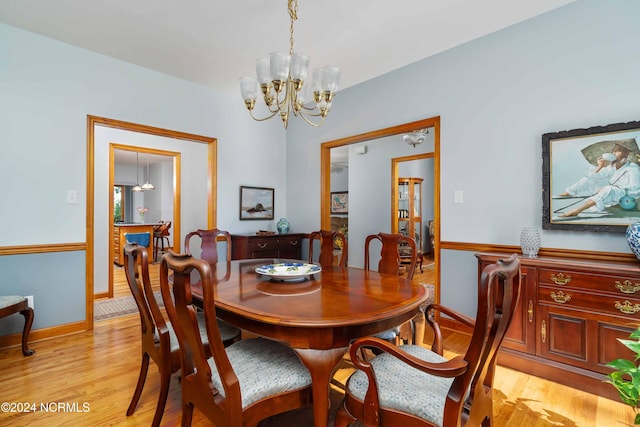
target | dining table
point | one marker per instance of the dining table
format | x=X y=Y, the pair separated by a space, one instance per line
x=317 y=315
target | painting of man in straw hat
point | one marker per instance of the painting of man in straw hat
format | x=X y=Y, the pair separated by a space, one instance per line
x=595 y=180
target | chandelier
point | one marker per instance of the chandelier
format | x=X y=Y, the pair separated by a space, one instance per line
x=137 y=187
x=280 y=79
x=416 y=138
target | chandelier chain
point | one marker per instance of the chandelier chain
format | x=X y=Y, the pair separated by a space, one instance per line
x=293 y=15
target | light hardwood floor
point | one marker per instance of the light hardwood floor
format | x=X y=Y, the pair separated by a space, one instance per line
x=100 y=369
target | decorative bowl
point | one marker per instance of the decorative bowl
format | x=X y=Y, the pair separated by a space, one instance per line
x=288 y=271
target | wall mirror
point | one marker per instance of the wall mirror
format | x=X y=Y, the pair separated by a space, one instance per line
x=368 y=167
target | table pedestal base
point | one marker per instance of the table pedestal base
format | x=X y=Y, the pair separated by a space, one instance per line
x=321 y=364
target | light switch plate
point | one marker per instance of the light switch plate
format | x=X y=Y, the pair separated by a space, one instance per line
x=72 y=197
x=457 y=196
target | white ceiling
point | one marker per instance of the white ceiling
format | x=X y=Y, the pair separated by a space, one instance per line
x=213 y=43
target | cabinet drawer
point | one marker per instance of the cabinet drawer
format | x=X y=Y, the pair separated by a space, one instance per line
x=285 y=243
x=623 y=305
x=258 y=245
x=619 y=285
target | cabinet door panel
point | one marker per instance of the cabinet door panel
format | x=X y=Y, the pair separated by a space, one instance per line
x=521 y=333
x=563 y=336
x=609 y=348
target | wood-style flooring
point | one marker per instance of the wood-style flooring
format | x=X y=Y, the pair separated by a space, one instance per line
x=88 y=379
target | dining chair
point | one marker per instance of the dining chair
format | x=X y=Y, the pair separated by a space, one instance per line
x=391 y=263
x=159 y=341
x=240 y=385
x=209 y=244
x=11 y=304
x=160 y=235
x=330 y=242
x=412 y=386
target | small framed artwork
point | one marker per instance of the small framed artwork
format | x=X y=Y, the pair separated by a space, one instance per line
x=340 y=202
x=256 y=203
x=591 y=178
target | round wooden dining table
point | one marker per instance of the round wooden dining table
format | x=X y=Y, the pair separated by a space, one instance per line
x=318 y=316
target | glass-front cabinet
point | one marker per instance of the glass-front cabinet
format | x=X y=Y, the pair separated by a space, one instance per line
x=410 y=209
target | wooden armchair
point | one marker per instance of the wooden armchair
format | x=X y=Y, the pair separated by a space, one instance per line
x=328 y=242
x=10 y=304
x=390 y=263
x=411 y=386
x=250 y=380
x=159 y=341
x=209 y=244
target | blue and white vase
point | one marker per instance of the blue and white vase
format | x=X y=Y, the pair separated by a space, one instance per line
x=283 y=226
x=633 y=238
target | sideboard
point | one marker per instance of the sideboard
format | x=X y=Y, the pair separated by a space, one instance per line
x=244 y=246
x=570 y=314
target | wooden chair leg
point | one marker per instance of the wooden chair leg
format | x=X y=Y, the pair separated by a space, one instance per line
x=343 y=418
x=165 y=380
x=187 y=414
x=28 y=322
x=142 y=377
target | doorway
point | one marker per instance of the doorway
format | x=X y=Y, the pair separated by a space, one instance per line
x=140 y=208
x=201 y=153
x=378 y=196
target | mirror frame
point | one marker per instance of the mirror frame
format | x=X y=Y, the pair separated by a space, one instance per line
x=325 y=178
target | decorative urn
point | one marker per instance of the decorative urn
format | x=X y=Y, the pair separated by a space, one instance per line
x=633 y=238
x=283 y=226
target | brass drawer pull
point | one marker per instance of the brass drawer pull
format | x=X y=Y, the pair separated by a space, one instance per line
x=560 y=279
x=560 y=297
x=530 y=311
x=543 y=331
x=627 y=307
x=293 y=243
x=262 y=245
x=627 y=287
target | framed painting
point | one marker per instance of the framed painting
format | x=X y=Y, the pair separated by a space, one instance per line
x=591 y=178
x=340 y=202
x=256 y=203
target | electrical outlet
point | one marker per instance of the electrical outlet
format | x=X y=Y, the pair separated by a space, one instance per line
x=30 y=300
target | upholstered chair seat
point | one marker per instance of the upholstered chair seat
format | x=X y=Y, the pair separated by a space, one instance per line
x=228 y=332
x=404 y=388
x=274 y=369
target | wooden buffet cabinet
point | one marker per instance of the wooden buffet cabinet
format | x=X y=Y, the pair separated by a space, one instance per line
x=569 y=316
x=119 y=239
x=245 y=246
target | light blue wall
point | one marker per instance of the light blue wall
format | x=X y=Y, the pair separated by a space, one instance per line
x=574 y=67
x=48 y=88
x=56 y=281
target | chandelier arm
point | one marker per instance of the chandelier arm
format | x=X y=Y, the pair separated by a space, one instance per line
x=273 y=113
x=309 y=122
x=310 y=111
